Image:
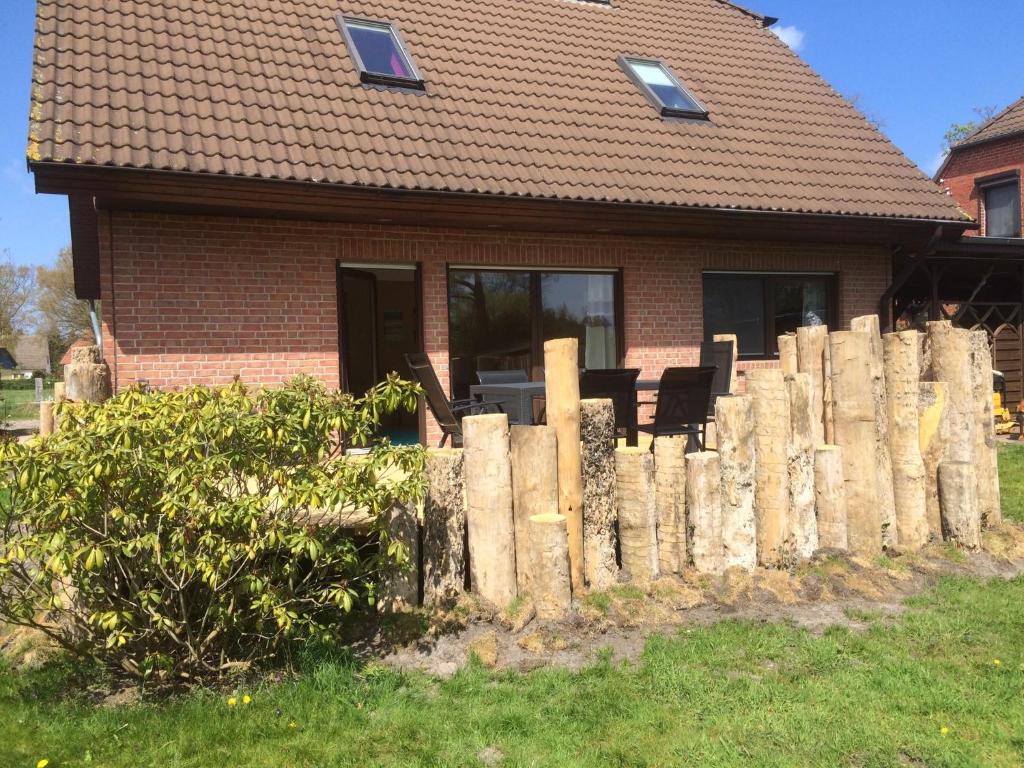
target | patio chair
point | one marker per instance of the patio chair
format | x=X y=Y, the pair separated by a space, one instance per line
x=682 y=405
x=619 y=386
x=447 y=413
x=717 y=354
x=517 y=376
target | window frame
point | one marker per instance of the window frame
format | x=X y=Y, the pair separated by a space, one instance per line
x=626 y=63
x=414 y=83
x=986 y=184
x=768 y=279
x=536 y=309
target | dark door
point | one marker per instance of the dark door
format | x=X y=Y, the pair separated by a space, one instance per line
x=358 y=299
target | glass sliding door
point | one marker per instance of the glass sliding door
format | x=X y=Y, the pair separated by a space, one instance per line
x=499 y=320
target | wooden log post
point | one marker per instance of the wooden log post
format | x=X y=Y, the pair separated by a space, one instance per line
x=788 y=357
x=562 y=394
x=854 y=414
x=704 y=511
x=400 y=589
x=830 y=497
x=87 y=377
x=803 y=522
x=734 y=340
x=444 y=528
x=638 y=519
x=902 y=390
x=534 y=491
x=597 y=430
x=767 y=389
x=986 y=457
x=811 y=358
x=46 y=418
x=958 y=497
x=549 y=552
x=670 y=501
x=933 y=437
x=886 y=497
x=735 y=419
x=489 y=520
x=58 y=391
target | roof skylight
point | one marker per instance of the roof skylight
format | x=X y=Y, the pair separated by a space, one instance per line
x=662 y=88
x=379 y=53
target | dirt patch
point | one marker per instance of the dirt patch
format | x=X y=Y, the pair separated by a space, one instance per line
x=830 y=590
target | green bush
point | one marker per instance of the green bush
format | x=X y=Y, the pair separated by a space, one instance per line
x=183 y=534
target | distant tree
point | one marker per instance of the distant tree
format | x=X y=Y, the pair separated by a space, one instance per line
x=17 y=290
x=959 y=131
x=857 y=101
x=61 y=315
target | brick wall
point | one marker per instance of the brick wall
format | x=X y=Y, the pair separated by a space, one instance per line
x=970 y=163
x=193 y=300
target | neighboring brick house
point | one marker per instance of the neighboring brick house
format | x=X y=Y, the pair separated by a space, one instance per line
x=318 y=187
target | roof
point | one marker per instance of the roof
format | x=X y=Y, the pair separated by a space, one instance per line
x=7 y=360
x=523 y=98
x=82 y=341
x=1009 y=122
x=31 y=353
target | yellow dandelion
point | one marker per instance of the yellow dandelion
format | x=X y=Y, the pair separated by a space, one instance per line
x=232 y=701
x=293 y=724
x=42 y=763
x=944 y=731
x=247 y=699
x=997 y=662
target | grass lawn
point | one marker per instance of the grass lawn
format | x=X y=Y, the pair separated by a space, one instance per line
x=21 y=403
x=1011 y=479
x=940 y=686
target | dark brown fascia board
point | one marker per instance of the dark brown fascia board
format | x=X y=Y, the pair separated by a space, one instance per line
x=174 y=191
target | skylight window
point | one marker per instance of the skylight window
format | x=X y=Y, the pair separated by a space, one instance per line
x=379 y=53
x=662 y=88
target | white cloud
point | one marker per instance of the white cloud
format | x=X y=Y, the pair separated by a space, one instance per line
x=791 y=36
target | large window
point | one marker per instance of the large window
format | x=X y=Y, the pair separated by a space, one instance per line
x=760 y=307
x=1002 y=209
x=499 y=320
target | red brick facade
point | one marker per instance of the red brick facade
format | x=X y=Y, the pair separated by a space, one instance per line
x=191 y=300
x=967 y=164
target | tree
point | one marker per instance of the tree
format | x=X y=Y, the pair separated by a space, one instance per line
x=959 y=131
x=17 y=289
x=62 y=316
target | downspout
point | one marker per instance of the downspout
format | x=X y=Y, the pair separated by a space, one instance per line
x=96 y=326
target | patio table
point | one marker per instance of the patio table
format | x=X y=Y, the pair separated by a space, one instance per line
x=518 y=397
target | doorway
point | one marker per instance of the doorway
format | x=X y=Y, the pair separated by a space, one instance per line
x=379 y=322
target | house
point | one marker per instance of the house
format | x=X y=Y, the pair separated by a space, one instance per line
x=31 y=352
x=978 y=282
x=318 y=187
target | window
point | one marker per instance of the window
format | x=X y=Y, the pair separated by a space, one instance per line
x=662 y=88
x=499 y=320
x=1002 y=209
x=760 y=307
x=379 y=53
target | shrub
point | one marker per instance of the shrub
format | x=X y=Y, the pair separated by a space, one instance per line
x=182 y=534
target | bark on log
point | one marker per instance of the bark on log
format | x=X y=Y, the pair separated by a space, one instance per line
x=401 y=585
x=562 y=395
x=933 y=438
x=886 y=496
x=638 y=520
x=811 y=356
x=830 y=497
x=767 y=389
x=985 y=447
x=902 y=391
x=534 y=490
x=704 y=511
x=958 y=496
x=46 y=418
x=87 y=377
x=735 y=419
x=670 y=501
x=854 y=413
x=788 y=354
x=549 y=555
x=597 y=429
x=444 y=528
x=732 y=339
x=803 y=523
x=489 y=521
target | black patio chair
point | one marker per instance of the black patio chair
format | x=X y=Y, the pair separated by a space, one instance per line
x=717 y=354
x=682 y=405
x=517 y=376
x=447 y=413
x=619 y=386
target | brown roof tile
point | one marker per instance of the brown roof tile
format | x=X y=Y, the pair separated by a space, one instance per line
x=523 y=97
x=1009 y=122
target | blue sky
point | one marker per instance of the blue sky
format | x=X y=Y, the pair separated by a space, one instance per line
x=916 y=65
